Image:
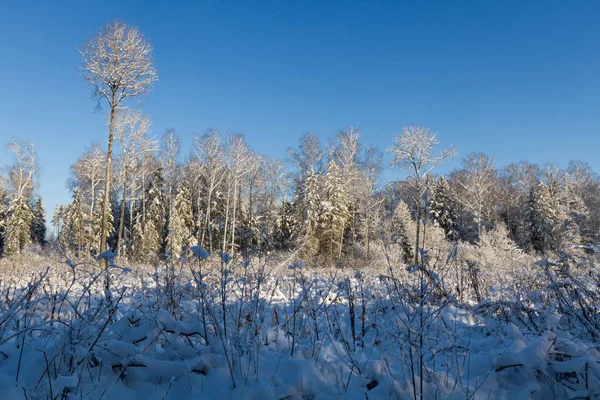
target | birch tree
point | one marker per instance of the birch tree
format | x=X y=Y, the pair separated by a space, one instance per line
x=308 y=158
x=239 y=157
x=210 y=156
x=21 y=185
x=477 y=184
x=117 y=62
x=169 y=151
x=3 y=213
x=87 y=175
x=131 y=129
x=413 y=151
x=38 y=223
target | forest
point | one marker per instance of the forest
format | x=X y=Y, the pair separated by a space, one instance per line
x=221 y=272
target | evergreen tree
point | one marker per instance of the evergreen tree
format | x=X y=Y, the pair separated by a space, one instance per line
x=73 y=235
x=18 y=227
x=543 y=218
x=150 y=223
x=576 y=219
x=334 y=213
x=558 y=210
x=38 y=224
x=285 y=226
x=309 y=200
x=250 y=233
x=403 y=228
x=181 y=223
x=442 y=211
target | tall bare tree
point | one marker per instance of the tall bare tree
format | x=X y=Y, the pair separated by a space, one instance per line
x=210 y=156
x=87 y=174
x=413 y=151
x=240 y=163
x=308 y=158
x=169 y=152
x=477 y=183
x=117 y=62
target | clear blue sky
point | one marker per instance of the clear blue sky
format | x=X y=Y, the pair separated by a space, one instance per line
x=516 y=80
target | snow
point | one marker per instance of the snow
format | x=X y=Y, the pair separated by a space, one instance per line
x=256 y=333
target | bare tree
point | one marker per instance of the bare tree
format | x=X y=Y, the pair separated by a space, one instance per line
x=210 y=155
x=308 y=158
x=169 y=152
x=345 y=152
x=131 y=128
x=117 y=62
x=87 y=174
x=413 y=152
x=24 y=168
x=239 y=158
x=477 y=183
x=369 y=205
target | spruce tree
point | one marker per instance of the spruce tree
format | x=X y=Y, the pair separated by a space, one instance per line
x=285 y=226
x=540 y=217
x=334 y=213
x=18 y=227
x=442 y=211
x=181 y=223
x=403 y=228
x=576 y=220
x=309 y=200
x=73 y=236
x=38 y=224
x=150 y=223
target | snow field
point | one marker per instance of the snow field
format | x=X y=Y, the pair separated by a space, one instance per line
x=227 y=328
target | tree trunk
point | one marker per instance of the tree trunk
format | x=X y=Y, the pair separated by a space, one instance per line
x=122 y=220
x=418 y=228
x=111 y=128
x=90 y=237
x=208 y=216
x=224 y=247
x=233 y=219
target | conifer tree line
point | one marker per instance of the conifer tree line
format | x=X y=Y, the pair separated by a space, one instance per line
x=325 y=202
x=148 y=201
x=22 y=215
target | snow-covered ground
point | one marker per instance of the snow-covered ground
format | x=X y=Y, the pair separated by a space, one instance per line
x=221 y=328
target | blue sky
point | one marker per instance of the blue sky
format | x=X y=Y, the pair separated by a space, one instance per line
x=516 y=80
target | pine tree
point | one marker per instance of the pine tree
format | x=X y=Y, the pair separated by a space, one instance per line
x=150 y=223
x=334 y=213
x=309 y=200
x=576 y=219
x=38 y=224
x=73 y=236
x=441 y=209
x=181 y=223
x=250 y=233
x=403 y=228
x=18 y=227
x=285 y=226
x=546 y=217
